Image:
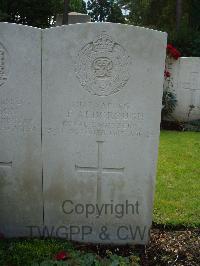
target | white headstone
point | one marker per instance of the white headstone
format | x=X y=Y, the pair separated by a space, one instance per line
x=102 y=90
x=20 y=129
x=185 y=77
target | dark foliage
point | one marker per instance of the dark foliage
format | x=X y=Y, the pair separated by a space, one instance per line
x=105 y=10
x=37 y=13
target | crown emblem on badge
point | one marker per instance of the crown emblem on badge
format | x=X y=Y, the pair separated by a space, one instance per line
x=102 y=66
x=103 y=43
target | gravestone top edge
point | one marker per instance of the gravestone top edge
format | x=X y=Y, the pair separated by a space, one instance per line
x=189 y=58
x=90 y=23
x=77 y=14
x=99 y=24
x=19 y=25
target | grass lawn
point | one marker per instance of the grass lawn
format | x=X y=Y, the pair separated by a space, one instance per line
x=177 y=198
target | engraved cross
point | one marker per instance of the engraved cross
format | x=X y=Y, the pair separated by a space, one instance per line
x=194 y=82
x=99 y=169
x=5 y=164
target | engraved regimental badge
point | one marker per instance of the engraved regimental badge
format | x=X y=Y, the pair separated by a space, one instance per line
x=3 y=65
x=102 y=66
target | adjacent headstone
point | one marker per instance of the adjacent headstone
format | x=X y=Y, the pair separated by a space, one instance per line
x=102 y=91
x=73 y=18
x=20 y=129
x=185 y=78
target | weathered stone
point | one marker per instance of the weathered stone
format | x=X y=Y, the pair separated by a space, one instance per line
x=102 y=90
x=185 y=79
x=20 y=129
x=73 y=18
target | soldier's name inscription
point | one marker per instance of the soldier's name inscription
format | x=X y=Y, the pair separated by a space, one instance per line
x=104 y=118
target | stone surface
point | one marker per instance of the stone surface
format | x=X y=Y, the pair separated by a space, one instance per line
x=186 y=84
x=73 y=18
x=20 y=129
x=102 y=90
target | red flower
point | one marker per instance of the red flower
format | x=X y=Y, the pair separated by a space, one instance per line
x=169 y=46
x=167 y=74
x=62 y=255
x=173 y=52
